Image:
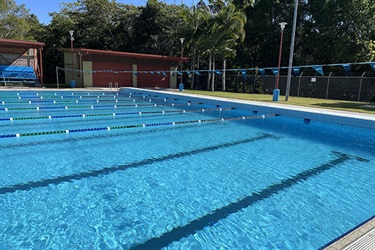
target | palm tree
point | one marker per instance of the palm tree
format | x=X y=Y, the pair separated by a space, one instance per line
x=233 y=21
x=223 y=32
x=194 y=19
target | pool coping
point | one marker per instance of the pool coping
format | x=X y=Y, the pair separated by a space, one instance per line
x=356 y=234
x=339 y=117
x=341 y=113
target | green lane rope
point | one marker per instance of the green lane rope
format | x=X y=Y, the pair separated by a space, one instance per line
x=136 y=126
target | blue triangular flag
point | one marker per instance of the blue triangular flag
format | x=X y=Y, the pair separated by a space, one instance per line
x=318 y=69
x=218 y=72
x=243 y=72
x=372 y=65
x=346 y=68
x=275 y=71
x=262 y=71
x=296 y=71
x=197 y=72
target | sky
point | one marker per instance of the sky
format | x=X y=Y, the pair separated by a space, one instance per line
x=41 y=8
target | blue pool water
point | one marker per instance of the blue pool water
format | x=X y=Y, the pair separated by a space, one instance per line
x=271 y=182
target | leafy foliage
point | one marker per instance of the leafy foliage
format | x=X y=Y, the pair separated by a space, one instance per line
x=244 y=33
x=16 y=22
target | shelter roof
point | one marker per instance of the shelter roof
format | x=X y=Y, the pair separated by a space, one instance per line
x=123 y=54
x=20 y=43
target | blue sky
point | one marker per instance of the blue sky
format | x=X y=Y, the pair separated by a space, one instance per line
x=41 y=8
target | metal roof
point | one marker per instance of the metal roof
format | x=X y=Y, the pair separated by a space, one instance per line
x=20 y=43
x=123 y=54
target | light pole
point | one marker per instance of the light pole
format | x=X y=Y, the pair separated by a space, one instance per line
x=181 y=86
x=71 y=32
x=291 y=51
x=276 y=91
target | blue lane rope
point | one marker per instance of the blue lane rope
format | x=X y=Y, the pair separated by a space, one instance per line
x=113 y=114
x=95 y=106
x=66 y=101
x=136 y=126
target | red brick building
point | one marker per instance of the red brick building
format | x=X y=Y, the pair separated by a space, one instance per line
x=97 y=68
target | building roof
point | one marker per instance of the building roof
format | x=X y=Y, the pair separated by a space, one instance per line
x=123 y=54
x=21 y=43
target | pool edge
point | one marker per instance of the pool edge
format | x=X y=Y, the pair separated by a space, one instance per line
x=351 y=236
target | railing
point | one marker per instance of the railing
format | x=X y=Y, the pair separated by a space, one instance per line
x=112 y=87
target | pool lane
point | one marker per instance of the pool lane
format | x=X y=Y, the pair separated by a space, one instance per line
x=215 y=216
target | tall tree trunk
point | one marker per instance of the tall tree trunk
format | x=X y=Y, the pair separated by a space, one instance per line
x=224 y=67
x=213 y=74
x=209 y=74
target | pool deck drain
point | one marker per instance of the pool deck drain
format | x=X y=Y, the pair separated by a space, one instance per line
x=362 y=237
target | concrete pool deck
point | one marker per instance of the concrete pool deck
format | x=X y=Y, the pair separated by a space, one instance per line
x=362 y=237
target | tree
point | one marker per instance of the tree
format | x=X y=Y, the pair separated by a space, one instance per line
x=193 y=25
x=155 y=27
x=223 y=31
x=338 y=31
x=16 y=22
x=233 y=22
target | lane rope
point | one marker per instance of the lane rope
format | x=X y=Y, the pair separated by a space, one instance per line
x=114 y=114
x=95 y=106
x=136 y=126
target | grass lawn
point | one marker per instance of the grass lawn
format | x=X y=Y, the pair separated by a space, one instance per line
x=362 y=107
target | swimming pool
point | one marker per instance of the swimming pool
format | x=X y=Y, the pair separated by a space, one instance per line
x=143 y=170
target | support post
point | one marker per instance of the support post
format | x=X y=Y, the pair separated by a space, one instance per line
x=57 y=77
x=329 y=77
x=299 y=83
x=291 y=51
x=360 y=86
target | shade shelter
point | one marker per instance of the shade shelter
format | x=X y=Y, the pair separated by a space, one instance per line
x=19 y=56
x=99 y=68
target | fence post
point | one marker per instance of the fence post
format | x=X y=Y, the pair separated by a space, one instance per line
x=237 y=81
x=57 y=76
x=329 y=77
x=299 y=83
x=254 y=82
x=360 y=86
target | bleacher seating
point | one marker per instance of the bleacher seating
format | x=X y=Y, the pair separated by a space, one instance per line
x=17 y=74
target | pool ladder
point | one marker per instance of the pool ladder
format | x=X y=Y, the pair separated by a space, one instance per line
x=113 y=87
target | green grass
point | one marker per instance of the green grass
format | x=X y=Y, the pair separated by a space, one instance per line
x=360 y=107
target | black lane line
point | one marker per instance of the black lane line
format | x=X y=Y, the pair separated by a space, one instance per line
x=109 y=170
x=215 y=216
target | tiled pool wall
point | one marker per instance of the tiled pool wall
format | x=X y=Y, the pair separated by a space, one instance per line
x=311 y=114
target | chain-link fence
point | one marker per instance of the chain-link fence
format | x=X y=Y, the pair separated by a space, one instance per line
x=360 y=86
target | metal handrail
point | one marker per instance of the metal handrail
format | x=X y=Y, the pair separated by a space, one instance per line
x=110 y=86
